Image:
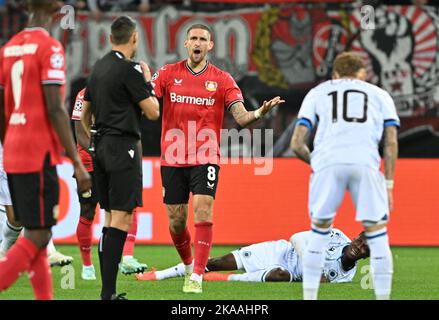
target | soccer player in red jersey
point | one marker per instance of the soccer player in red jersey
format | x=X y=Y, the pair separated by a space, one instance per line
x=195 y=94
x=32 y=76
x=88 y=201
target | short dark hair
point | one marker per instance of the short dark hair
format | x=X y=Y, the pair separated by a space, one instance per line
x=347 y=64
x=199 y=26
x=122 y=29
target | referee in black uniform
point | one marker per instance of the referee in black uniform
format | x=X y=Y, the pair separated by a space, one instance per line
x=118 y=91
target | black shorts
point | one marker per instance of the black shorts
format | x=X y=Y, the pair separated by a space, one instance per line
x=118 y=172
x=35 y=196
x=178 y=182
x=91 y=196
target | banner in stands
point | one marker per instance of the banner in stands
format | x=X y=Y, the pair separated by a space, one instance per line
x=290 y=47
x=252 y=208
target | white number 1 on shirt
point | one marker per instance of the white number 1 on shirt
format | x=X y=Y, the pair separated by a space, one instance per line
x=16 y=75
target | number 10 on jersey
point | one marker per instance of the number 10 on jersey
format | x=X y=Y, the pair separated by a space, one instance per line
x=346 y=118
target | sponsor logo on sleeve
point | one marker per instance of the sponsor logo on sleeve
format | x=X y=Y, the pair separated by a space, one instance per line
x=57 y=61
x=56 y=74
x=138 y=68
x=77 y=109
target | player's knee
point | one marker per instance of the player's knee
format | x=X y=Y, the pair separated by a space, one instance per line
x=39 y=237
x=278 y=275
x=121 y=221
x=177 y=224
x=177 y=215
x=203 y=213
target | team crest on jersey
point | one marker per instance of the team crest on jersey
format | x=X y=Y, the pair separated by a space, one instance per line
x=155 y=76
x=57 y=61
x=332 y=274
x=247 y=254
x=211 y=85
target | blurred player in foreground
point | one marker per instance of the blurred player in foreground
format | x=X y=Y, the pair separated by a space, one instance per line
x=351 y=116
x=34 y=127
x=279 y=261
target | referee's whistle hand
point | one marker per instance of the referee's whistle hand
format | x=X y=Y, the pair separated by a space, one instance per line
x=82 y=177
x=146 y=71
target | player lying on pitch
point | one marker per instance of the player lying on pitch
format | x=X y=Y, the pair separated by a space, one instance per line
x=279 y=261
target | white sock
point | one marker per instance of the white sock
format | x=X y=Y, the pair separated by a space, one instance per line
x=51 y=247
x=189 y=267
x=10 y=235
x=313 y=261
x=381 y=263
x=197 y=277
x=256 y=276
x=173 y=272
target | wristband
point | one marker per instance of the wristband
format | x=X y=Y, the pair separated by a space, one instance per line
x=389 y=184
x=258 y=114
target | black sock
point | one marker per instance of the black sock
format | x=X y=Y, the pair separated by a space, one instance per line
x=100 y=248
x=113 y=248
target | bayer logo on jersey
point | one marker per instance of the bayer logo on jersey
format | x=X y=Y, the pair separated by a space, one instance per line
x=211 y=85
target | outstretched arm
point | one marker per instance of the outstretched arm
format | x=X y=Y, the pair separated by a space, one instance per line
x=245 y=118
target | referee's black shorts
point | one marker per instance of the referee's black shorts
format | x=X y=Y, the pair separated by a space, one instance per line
x=118 y=172
x=35 y=196
x=179 y=182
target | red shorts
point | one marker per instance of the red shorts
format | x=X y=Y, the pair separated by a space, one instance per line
x=86 y=159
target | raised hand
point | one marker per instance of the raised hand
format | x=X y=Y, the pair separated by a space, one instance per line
x=268 y=105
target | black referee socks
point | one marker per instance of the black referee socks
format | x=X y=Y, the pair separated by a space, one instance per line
x=101 y=248
x=111 y=256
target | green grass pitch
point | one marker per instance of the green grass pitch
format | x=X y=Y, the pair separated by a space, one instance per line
x=415 y=277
